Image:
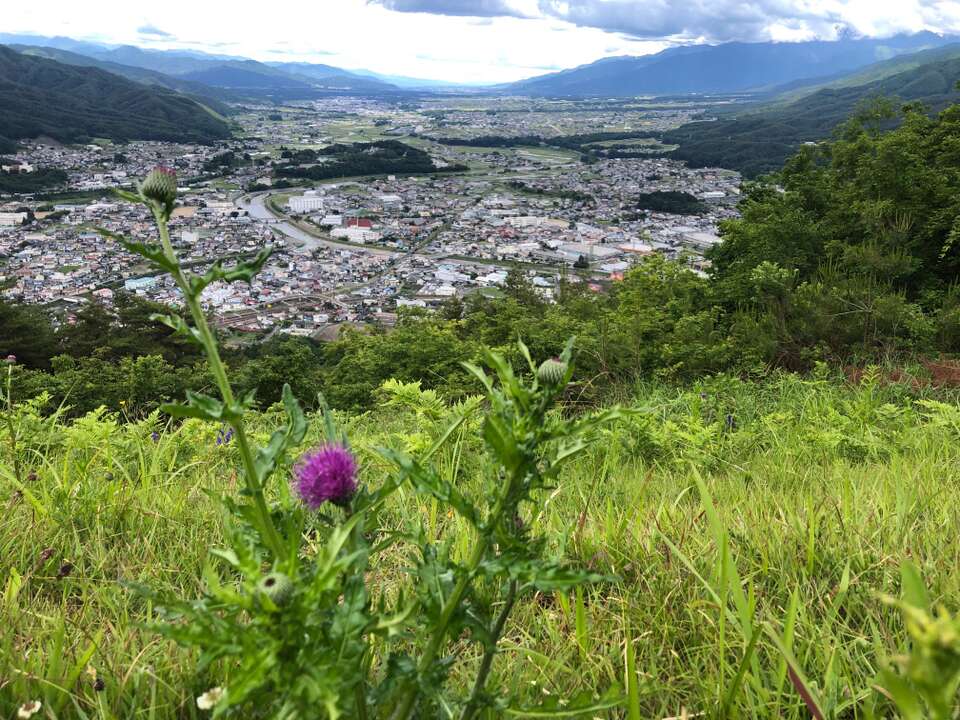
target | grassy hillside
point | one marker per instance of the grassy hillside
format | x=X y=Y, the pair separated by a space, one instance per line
x=819 y=490
x=72 y=104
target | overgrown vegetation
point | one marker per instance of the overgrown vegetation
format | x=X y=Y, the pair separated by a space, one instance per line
x=747 y=528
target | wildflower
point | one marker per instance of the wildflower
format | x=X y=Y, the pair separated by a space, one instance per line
x=160 y=185
x=155 y=436
x=327 y=474
x=276 y=586
x=32 y=476
x=99 y=685
x=210 y=698
x=11 y=359
x=552 y=371
x=29 y=709
x=224 y=437
x=64 y=570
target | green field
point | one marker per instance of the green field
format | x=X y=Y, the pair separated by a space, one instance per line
x=739 y=524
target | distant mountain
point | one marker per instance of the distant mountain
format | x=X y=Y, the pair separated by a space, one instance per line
x=230 y=76
x=412 y=83
x=726 y=68
x=73 y=104
x=210 y=96
x=334 y=77
x=760 y=141
x=58 y=42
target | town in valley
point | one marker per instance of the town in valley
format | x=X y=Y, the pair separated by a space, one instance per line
x=567 y=205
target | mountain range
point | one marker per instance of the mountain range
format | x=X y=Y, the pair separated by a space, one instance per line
x=74 y=104
x=796 y=92
x=222 y=77
x=728 y=68
x=759 y=140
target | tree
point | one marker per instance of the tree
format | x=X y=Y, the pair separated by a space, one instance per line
x=26 y=332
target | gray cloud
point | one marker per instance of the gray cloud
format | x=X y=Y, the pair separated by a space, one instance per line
x=148 y=29
x=717 y=20
x=460 y=8
x=685 y=20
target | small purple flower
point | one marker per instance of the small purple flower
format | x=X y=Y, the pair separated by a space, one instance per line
x=155 y=436
x=326 y=474
x=11 y=359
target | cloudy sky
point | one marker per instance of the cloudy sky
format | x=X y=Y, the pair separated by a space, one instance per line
x=466 y=40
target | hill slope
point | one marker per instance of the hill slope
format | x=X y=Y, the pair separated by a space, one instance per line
x=761 y=141
x=210 y=96
x=730 y=67
x=71 y=104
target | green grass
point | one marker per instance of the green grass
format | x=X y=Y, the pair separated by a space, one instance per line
x=732 y=544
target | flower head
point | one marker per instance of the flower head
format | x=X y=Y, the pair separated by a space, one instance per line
x=11 y=359
x=29 y=709
x=160 y=185
x=326 y=474
x=552 y=371
x=276 y=586
x=210 y=698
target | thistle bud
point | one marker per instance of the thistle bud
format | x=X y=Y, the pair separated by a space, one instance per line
x=276 y=586
x=160 y=185
x=552 y=371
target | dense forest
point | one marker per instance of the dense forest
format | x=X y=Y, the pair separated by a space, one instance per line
x=585 y=144
x=350 y=159
x=670 y=201
x=40 y=179
x=74 y=104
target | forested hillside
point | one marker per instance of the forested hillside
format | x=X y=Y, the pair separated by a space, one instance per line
x=208 y=95
x=760 y=142
x=74 y=104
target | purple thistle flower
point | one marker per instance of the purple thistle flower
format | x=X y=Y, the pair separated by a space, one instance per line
x=326 y=474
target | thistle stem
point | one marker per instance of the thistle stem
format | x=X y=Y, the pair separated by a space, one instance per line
x=409 y=699
x=10 y=430
x=270 y=535
x=487 y=663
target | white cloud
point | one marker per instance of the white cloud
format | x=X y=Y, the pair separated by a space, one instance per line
x=467 y=40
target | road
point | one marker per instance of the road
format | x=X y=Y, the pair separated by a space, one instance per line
x=258 y=210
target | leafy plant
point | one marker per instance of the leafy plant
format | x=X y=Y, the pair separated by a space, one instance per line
x=295 y=620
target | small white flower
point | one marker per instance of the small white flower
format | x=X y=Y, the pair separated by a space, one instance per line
x=210 y=698
x=28 y=709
